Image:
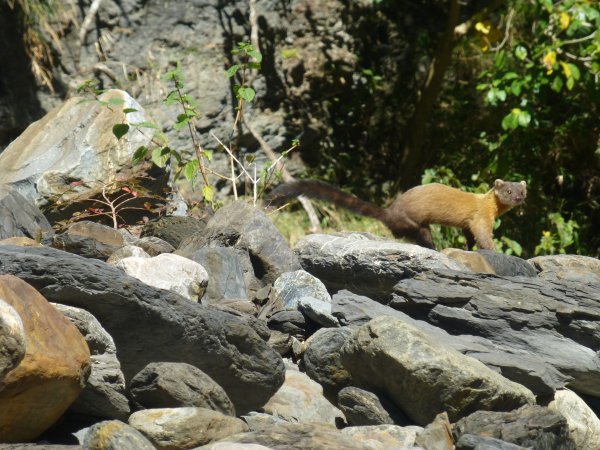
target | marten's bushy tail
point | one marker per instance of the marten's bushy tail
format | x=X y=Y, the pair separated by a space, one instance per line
x=324 y=191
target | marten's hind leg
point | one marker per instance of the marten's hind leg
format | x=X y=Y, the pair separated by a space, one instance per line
x=470 y=238
x=424 y=237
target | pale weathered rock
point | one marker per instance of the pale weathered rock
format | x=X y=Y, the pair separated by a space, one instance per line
x=172 y=385
x=322 y=359
x=13 y=340
x=261 y=421
x=168 y=271
x=71 y=143
x=437 y=435
x=19 y=216
x=104 y=394
x=474 y=442
x=115 y=435
x=301 y=399
x=22 y=241
x=280 y=342
x=384 y=436
x=90 y=239
x=473 y=260
x=584 y=425
x=187 y=427
x=365 y=408
x=319 y=311
x=583 y=269
x=423 y=377
x=363 y=265
x=150 y=325
x=530 y=426
x=125 y=252
x=53 y=371
x=296 y=436
x=290 y=287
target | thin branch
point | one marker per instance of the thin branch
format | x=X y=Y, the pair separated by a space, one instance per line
x=511 y=14
x=87 y=21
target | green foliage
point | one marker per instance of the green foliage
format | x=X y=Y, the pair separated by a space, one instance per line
x=563 y=234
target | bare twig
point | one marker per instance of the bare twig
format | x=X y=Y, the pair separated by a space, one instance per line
x=87 y=21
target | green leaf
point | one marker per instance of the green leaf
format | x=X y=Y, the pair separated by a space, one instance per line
x=557 y=84
x=129 y=110
x=574 y=71
x=256 y=55
x=523 y=119
x=191 y=169
x=160 y=156
x=120 y=130
x=570 y=83
x=247 y=93
x=208 y=192
x=172 y=98
x=515 y=87
x=233 y=70
x=139 y=154
x=115 y=101
x=145 y=125
x=521 y=52
x=208 y=154
x=511 y=120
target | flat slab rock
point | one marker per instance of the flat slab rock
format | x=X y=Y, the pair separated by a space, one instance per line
x=152 y=325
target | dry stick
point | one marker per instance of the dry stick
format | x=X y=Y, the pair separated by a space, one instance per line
x=304 y=201
x=87 y=21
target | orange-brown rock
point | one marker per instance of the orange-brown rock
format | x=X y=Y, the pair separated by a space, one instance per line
x=53 y=371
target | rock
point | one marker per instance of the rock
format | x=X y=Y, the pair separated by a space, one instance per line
x=154 y=246
x=13 y=339
x=472 y=442
x=186 y=427
x=225 y=272
x=584 y=425
x=290 y=321
x=262 y=421
x=290 y=287
x=363 y=408
x=437 y=435
x=104 y=394
x=247 y=229
x=301 y=399
x=280 y=342
x=583 y=269
x=294 y=436
x=384 y=436
x=126 y=252
x=530 y=426
x=173 y=229
x=20 y=217
x=151 y=325
x=115 y=435
x=170 y=272
x=71 y=144
x=319 y=311
x=363 y=265
x=233 y=446
x=473 y=260
x=90 y=239
x=526 y=368
x=52 y=373
x=322 y=360
x=552 y=327
x=172 y=385
x=508 y=265
x=22 y=241
x=423 y=377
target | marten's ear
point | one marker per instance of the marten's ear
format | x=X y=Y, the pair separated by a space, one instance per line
x=498 y=183
x=524 y=183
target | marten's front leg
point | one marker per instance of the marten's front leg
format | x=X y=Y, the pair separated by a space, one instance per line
x=483 y=235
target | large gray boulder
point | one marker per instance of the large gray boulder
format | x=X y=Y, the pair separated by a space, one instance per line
x=364 y=264
x=150 y=325
x=423 y=377
x=73 y=143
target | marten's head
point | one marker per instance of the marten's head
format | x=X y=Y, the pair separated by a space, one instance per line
x=510 y=193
